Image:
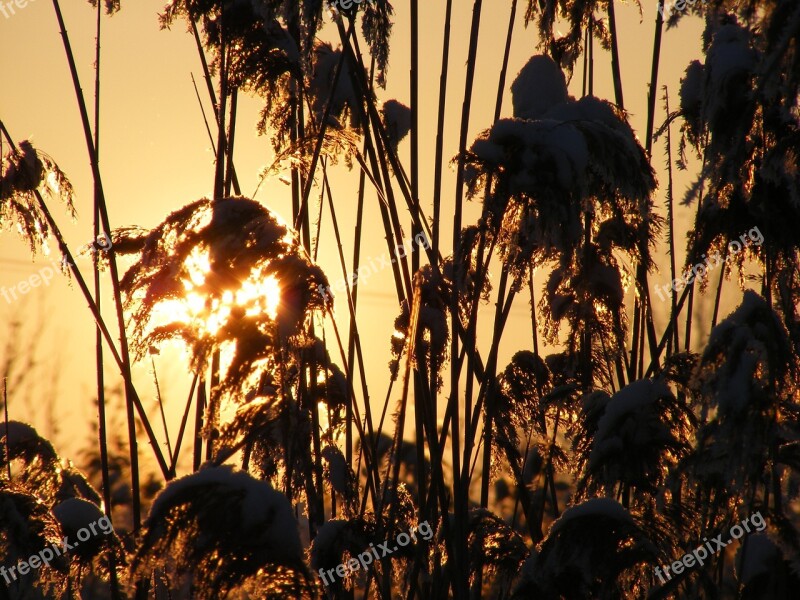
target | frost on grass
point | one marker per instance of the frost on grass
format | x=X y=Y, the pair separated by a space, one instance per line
x=337 y=541
x=431 y=291
x=739 y=106
x=227 y=531
x=746 y=359
x=569 y=187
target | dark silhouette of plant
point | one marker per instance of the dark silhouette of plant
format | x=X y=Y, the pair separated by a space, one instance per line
x=218 y=256
x=496 y=552
x=746 y=383
x=595 y=550
x=21 y=174
x=566 y=184
x=27 y=527
x=627 y=443
x=227 y=532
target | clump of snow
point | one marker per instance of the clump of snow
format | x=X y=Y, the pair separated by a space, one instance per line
x=761 y=555
x=325 y=62
x=397 y=119
x=742 y=339
x=692 y=89
x=597 y=111
x=583 y=147
x=729 y=65
x=729 y=53
x=17 y=433
x=538 y=147
x=326 y=542
x=592 y=509
x=21 y=172
x=75 y=514
x=265 y=514
x=539 y=86
x=337 y=468
x=629 y=401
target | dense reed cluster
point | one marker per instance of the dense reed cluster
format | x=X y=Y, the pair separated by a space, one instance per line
x=571 y=472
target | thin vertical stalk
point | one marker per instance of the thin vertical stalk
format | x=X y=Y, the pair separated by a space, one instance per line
x=102 y=428
x=212 y=96
x=5 y=416
x=506 y=54
x=161 y=406
x=229 y=172
x=354 y=340
x=491 y=367
x=198 y=425
x=377 y=152
x=651 y=93
x=534 y=325
x=591 y=58
x=419 y=434
x=438 y=160
x=351 y=305
x=212 y=418
x=586 y=64
x=688 y=342
x=615 y=67
x=670 y=214
x=337 y=73
x=182 y=430
x=461 y=587
x=124 y=353
x=393 y=476
x=414 y=88
x=718 y=298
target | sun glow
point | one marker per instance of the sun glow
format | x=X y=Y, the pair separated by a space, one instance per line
x=258 y=294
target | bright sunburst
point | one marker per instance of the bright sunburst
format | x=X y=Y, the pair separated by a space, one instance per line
x=258 y=294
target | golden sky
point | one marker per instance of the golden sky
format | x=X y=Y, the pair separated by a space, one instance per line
x=156 y=157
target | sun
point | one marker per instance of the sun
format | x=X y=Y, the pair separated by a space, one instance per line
x=258 y=294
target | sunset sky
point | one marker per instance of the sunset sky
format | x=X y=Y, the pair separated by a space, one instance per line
x=156 y=157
